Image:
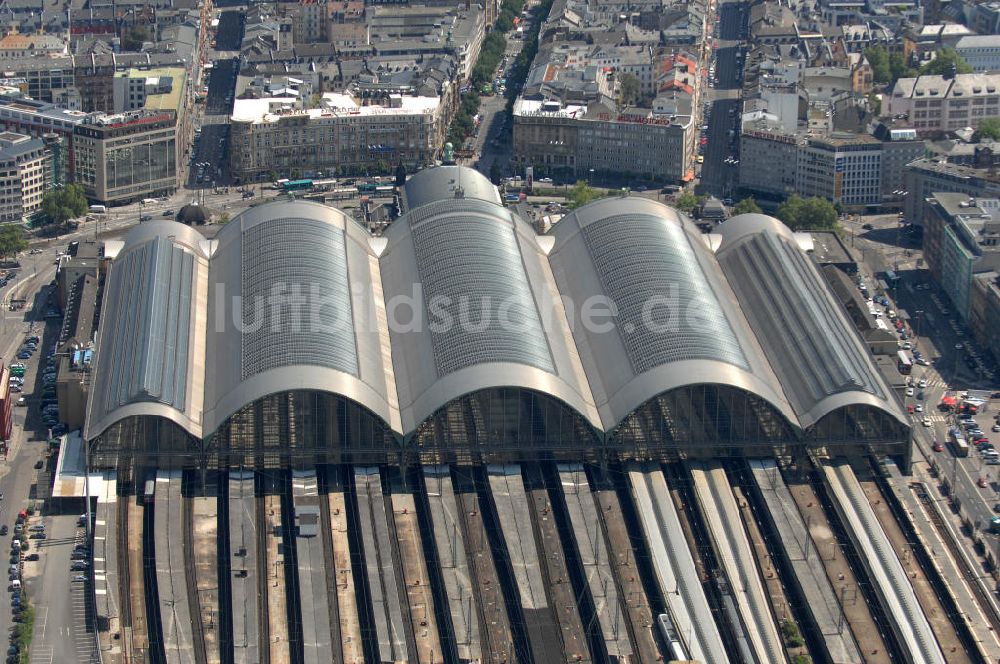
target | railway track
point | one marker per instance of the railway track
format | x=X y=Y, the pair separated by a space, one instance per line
x=260 y=536
x=194 y=600
x=125 y=581
x=968 y=573
x=885 y=570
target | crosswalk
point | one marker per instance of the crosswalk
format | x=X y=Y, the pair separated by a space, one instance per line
x=41 y=655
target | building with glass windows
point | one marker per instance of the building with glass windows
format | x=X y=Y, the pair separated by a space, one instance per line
x=127 y=156
x=296 y=337
x=961 y=239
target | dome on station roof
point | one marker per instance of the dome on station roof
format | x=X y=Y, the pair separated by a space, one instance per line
x=192 y=215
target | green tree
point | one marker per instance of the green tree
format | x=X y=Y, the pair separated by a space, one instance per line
x=878 y=59
x=133 y=37
x=791 y=633
x=61 y=205
x=629 y=90
x=898 y=68
x=686 y=201
x=400 y=175
x=581 y=194
x=943 y=61
x=875 y=103
x=12 y=241
x=747 y=206
x=989 y=130
x=807 y=214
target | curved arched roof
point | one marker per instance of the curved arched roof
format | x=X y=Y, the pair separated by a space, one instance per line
x=440 y=183
x=475 y=291
x=677 y=321
x=148 y=357
x=813 y=348
x=295 y=295
x=298 y=313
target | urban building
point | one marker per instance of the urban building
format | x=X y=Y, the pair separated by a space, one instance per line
x=985 y=19
x=41 y=119
x=127 y=156
x=961 y=239
x=31 y=46
x=853 y=169
x=924 y=177
x=78 y=283
x=844 y=169
x=57 y=147
x=274 y=135
x=25 y=176
x=937 y=104
x=900 y=147
x=984 y=311
x=158 y=89
x=762 y=144
x=428 y=30
x=133 y=87
x=656 y=143
x=982 y=52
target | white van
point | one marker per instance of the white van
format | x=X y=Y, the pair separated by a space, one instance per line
x=149 y=201
x=99 y=209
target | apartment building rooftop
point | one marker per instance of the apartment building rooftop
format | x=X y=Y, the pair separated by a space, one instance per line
x=41 y=109
x=333 y=104
x=977 y=219
x=968 y=85
x=14 y=145
x=955 y=170
x=168 y=83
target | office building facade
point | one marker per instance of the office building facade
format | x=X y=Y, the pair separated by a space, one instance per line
x=24 y=176
x=128 y=156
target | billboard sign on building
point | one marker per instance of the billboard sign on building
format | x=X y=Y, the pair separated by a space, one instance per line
x=529 y=176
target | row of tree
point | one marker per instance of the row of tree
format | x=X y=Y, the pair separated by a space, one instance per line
x=887 y=68
x=482 y=74
x=799 y=214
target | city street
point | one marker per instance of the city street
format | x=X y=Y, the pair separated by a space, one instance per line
x=211 y=148
x=717 y=177
x=937 y=332
x=493 y=144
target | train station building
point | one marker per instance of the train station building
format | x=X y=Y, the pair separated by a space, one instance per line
x=294 y=337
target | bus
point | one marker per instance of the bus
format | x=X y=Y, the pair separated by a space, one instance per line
x=959 y=446
x=296 y=185
x=903 y=363
x=891 y=278
x=385 y=190
x=366 y=187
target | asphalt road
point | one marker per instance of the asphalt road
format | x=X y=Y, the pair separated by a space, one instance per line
x=229 y=34
x=213 y=145
x=63 y=632
x=717 y=177
x=884 y=247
